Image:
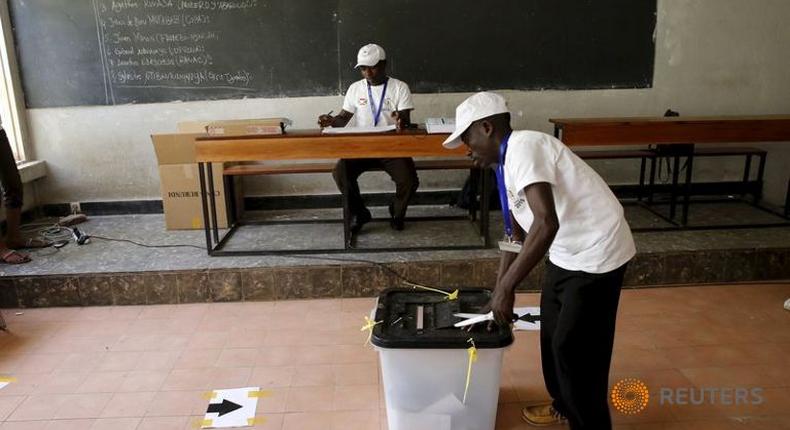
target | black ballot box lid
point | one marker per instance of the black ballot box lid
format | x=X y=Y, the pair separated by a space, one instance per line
x=420 y=319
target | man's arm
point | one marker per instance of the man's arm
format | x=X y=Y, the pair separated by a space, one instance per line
x=544 y=227
x=339 y=120
x=402 y=118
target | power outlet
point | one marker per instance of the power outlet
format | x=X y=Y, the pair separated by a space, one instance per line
x=75 y=207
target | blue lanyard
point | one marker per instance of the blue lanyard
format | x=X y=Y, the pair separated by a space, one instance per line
x=376 y=111
x=500 y=179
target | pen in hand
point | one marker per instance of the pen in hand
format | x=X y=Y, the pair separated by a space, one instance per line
x=326 y=120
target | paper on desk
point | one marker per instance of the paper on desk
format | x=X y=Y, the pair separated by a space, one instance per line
x=439 y=125
x=355 y=130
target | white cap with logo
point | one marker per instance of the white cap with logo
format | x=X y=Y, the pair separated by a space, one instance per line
x=370 y=55
x=479 y=106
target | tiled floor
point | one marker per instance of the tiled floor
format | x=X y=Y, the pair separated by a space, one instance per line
x=149 y=367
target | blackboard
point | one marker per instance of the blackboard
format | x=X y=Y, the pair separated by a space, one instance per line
x=106 y=52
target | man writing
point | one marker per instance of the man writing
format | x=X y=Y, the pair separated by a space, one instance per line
x=375 y=100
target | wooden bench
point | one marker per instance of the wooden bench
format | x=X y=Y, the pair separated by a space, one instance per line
x=748 y=153
x=281 y=153
x=611 y=154
x=296 y=168
x=327 y=167
x=445 y=164
x=690 y=151
x=674 y=130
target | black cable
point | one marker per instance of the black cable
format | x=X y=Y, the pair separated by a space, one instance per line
x=144 y=245
x=382 y=266
x=355 y=260
x=54 y=231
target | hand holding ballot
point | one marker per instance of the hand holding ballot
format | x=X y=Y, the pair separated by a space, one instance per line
x=522 y=318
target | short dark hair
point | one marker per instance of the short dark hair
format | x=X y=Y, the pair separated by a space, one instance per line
x=500 y=120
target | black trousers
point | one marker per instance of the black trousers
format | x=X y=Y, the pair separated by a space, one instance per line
x=9 y=175
x=401 y=170
x=578 y=311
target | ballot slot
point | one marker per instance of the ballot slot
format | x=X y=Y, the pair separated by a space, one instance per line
x=419 y=317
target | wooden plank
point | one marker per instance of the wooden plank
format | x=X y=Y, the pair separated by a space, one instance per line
x=280 y=169
x=454 y=163
x=635 y=131
x=726 y=150
x=263 y=169
x=610 y=155
x=642 y=119
x=305 y=146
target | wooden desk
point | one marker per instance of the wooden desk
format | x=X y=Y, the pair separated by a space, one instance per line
x=673 y=130
x=313 y=145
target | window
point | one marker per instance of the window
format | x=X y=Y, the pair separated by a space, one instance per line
x=12 y=103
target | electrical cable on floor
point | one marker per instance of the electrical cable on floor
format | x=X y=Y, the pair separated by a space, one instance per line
x=382 y=266
x=51 y=231
x=110 y=239
x=55 y=233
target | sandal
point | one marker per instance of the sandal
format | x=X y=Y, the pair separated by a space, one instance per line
x=10 y=256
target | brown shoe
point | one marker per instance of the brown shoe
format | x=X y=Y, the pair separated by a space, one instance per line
x=542 y=415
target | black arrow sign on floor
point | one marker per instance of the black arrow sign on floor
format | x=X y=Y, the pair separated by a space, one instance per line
x=223 y=408
x=530 y=318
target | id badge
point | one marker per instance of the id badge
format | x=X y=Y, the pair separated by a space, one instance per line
x=509 y=245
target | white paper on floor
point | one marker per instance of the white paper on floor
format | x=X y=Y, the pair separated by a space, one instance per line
x=528 y=318
x=232 y=408
x=5 y=380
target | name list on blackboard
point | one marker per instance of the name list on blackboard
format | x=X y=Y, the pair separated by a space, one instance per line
x=168 y=44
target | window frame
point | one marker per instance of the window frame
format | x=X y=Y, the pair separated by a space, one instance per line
x=14 y=119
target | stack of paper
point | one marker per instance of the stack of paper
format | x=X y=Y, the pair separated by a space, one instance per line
x=439 y=125
x=247 y=126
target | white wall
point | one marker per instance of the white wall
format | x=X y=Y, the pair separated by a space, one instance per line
x=713 y=57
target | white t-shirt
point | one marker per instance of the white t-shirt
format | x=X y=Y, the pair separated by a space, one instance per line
x=397 y=98
x=594 y=236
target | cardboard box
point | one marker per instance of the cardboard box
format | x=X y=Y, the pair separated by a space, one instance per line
x=180 y=186
x=238 y=127
x=235 y=126
x=192 y=126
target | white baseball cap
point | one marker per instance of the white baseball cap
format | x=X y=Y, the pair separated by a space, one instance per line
x=479 y=106
x=370 y=55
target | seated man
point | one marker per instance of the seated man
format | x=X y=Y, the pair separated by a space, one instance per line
x=376 y=100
